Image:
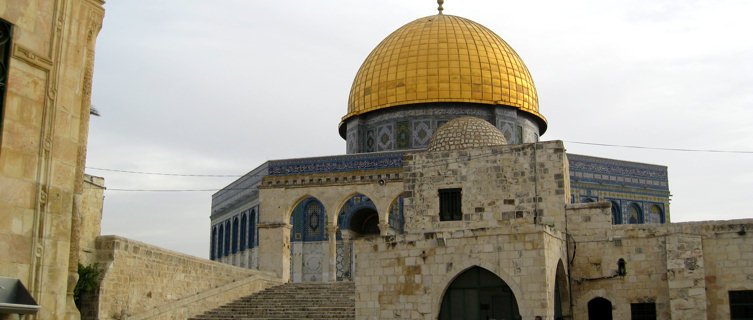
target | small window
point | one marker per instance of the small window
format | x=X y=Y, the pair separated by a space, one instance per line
x=643 y=311
x=741 y=304
x=450 y=204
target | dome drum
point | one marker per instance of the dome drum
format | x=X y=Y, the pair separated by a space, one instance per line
x=411 y=127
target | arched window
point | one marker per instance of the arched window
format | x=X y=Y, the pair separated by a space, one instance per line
x=213 y=244
x=616 y=213
x=244 y=221
x=252 y=229
x=656 y=211
x=313 y=215
x=599 y=309
x=227 y=237
x=635 y=214
x=220 y=241
x=235 y=235
x=478 y=294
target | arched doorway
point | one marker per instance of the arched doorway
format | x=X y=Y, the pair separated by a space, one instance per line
x=599 y=309
x=358 y=217
x=561 y=292
x=478 y=294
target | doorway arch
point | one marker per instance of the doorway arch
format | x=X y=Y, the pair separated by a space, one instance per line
x=599 y=309
x=478 y=293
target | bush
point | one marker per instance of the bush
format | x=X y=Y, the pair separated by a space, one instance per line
x=88 y=282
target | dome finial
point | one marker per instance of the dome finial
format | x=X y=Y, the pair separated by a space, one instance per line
x=440 y=2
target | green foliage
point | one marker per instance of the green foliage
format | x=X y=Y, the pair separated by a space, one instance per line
x=88 y=281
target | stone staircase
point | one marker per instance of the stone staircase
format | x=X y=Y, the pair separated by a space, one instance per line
x=307 y=300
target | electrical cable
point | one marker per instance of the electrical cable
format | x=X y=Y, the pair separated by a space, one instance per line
x=467 y=158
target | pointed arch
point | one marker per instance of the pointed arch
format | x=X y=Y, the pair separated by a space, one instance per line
x=227 y=238
x=561 y=291
x=635 y=214
x=234 y=239
x=466 y=264
x=220 y=241
x=478 y=293
x=243 y=228
x=252 y=228
x=359 y=215
x=213 y=244
x=599 y=309
x=396 y=218
x=616 y=212
x=658 y=212
x=308 y=220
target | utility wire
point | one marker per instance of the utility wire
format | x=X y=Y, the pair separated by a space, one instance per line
x=483 y=155
x=170 y=174
x=657 y=148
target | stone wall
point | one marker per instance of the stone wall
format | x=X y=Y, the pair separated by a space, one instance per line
x=727 y=262
x=143 y=281
x=500 y=185
x=44 y=133
x=686 y=269
x=91 y=218
x=405 y=276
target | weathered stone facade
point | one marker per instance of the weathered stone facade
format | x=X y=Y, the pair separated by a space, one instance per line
x=517 y=222
x=45 y=118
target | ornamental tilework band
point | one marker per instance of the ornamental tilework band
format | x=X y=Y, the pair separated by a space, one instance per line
x=337 y=163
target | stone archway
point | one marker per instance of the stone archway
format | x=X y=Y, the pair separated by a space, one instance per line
x=478 y=293
x=599 y=309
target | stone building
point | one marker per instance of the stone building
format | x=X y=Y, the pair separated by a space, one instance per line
x=46 y=63
x=447 y=204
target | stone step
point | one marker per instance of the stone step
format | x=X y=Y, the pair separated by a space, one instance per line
x=308 y=300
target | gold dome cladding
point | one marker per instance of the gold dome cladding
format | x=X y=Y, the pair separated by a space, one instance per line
x=443 y=58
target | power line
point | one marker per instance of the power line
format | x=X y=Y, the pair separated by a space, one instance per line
x=657 y=148
x=169 y=174
x=483 y=155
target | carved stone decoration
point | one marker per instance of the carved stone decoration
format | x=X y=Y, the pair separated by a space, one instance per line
x=344 y=262
x=312 y=267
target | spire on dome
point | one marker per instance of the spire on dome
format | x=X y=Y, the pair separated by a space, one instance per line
x=440 y=2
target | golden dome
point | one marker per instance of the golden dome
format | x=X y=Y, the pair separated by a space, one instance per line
x=443 y=58
x=465 y=132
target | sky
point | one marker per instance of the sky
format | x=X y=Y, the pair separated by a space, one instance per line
x=199 y=88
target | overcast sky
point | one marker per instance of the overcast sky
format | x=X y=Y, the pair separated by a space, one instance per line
x=207 y=87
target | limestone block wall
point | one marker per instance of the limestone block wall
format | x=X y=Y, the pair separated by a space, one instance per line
x=141 y=278
x=687 y=269
x=500 y=185
x=728 y=264
x=595 y=265
x=44 y=133
x=91 y=218
x=405 y=276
